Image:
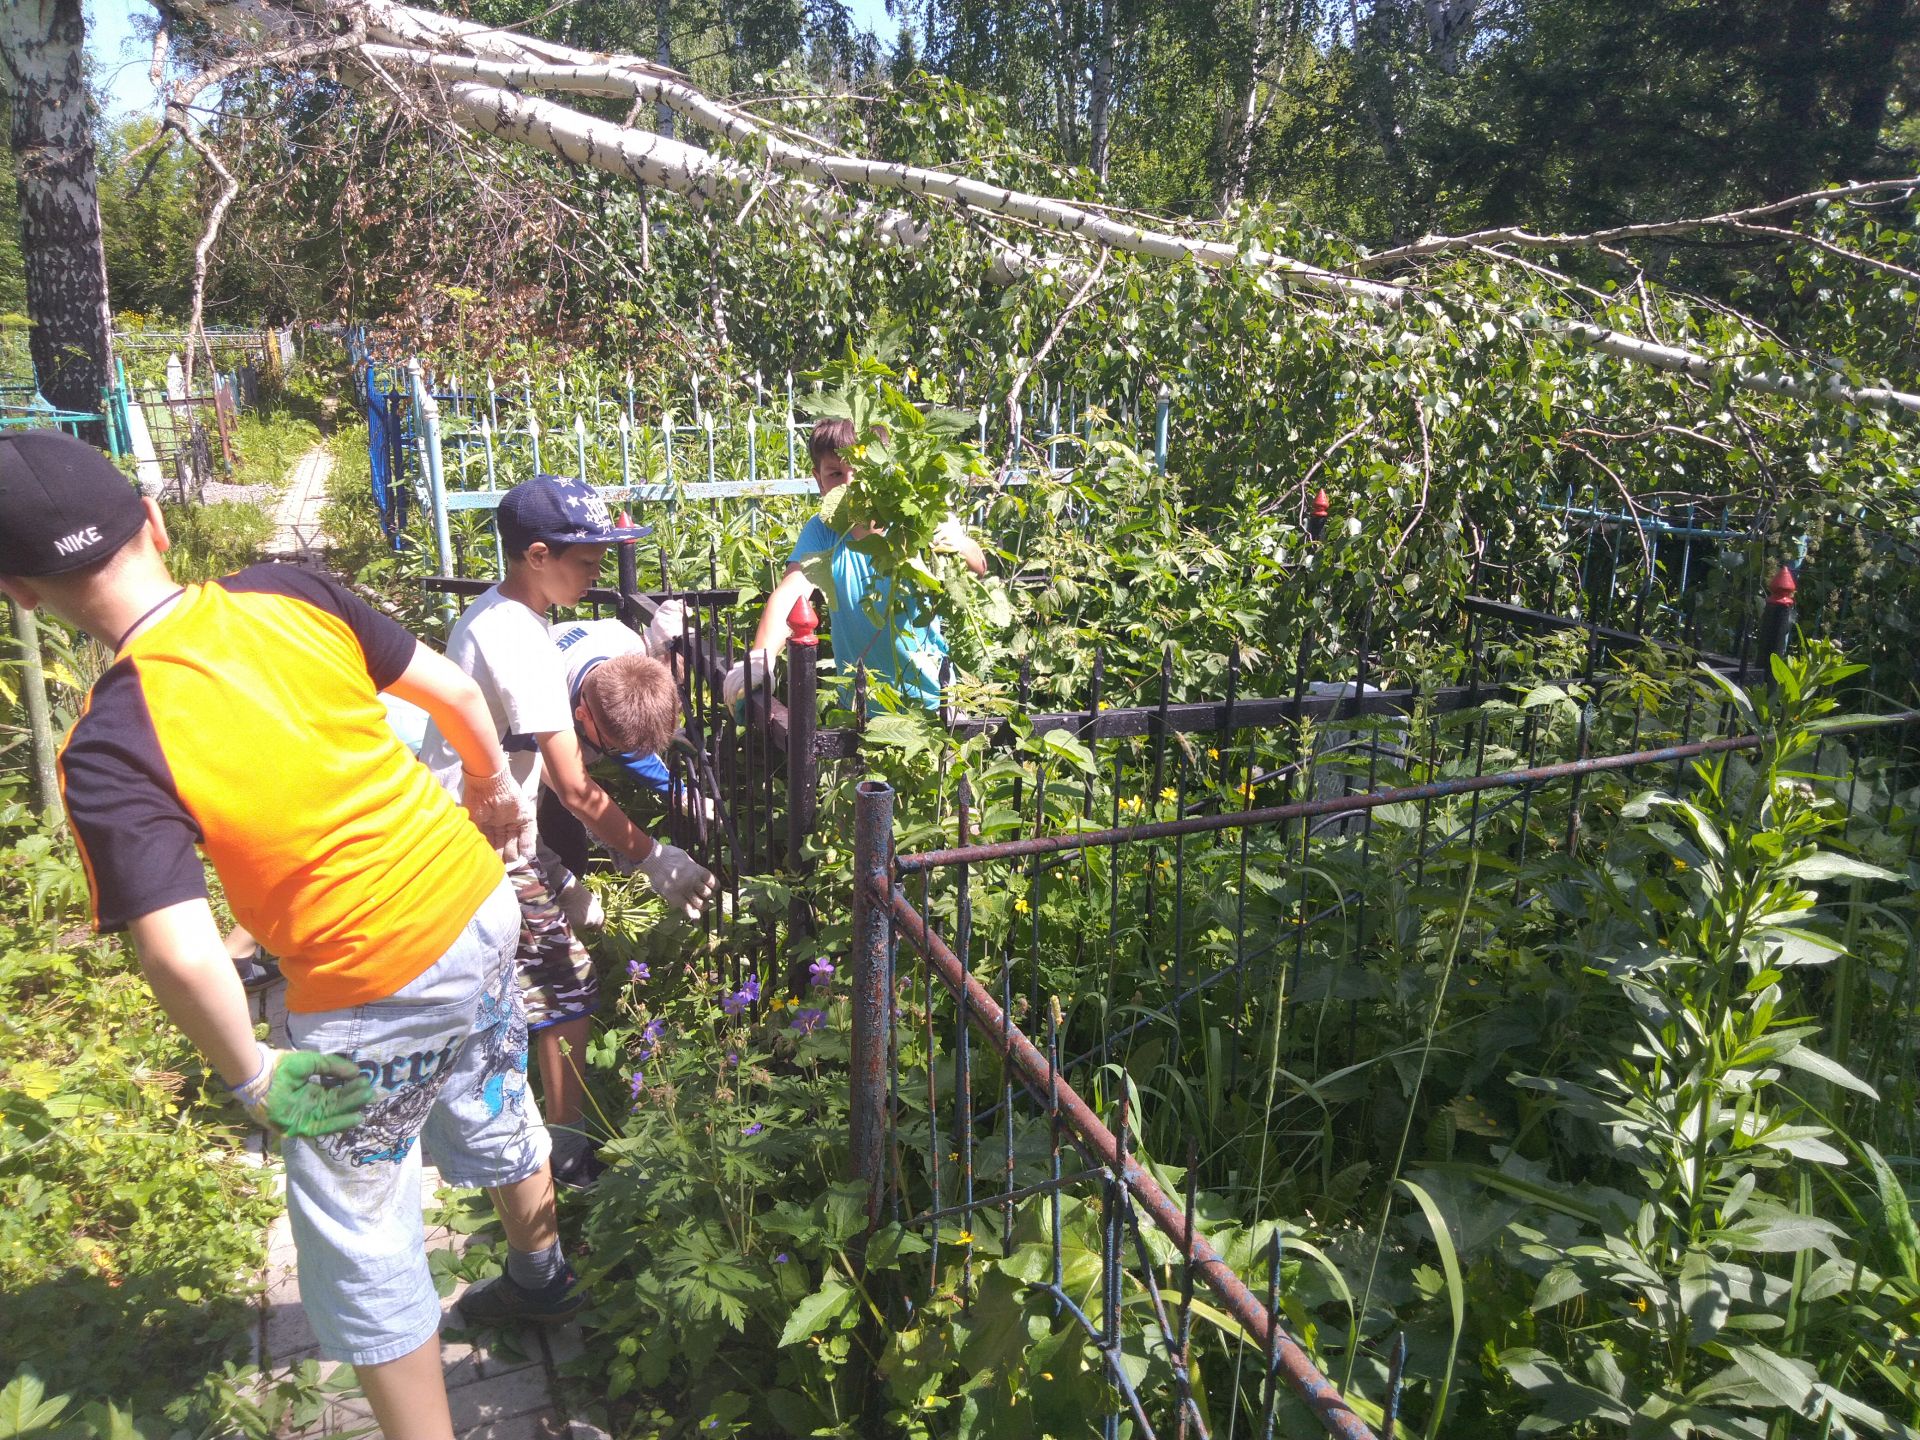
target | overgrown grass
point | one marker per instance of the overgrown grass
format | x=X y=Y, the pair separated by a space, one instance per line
x=214 y=540
x=129 y=1228
x=269 y=442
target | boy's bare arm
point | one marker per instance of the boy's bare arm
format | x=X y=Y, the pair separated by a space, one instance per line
x=186 y=963
x=771 y=634
x=565 y=772
x=448 y=694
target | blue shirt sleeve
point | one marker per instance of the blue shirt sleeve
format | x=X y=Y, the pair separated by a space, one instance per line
x=649 y=770
x=816 y=538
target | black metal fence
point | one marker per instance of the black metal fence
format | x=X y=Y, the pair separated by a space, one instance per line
x=1267 y=845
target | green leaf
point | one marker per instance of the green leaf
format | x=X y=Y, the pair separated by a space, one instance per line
x=1784 y=1234
x=24 y=1408
x=1706 y=1296
x=1456 y=1296
x=1896 y=1213
x=817 y=1311
x=1559 y=1285
x=1806 y=1058
x=1831 y=865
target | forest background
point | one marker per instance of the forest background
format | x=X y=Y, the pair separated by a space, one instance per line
x=1378 y=121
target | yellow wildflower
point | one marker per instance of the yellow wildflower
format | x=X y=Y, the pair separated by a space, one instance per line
x=1020 y=905
x=1679 y=864
x=1212 y=754
x=1169 y=794
x=966 y=1237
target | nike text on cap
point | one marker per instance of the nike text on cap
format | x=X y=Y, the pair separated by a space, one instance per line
x=560 y=512
x=62 y=504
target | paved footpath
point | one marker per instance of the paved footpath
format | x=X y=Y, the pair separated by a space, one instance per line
x=297 y=531
x=510 y=1390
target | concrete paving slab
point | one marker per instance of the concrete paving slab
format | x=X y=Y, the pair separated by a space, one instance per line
x=297 y=531
x=500 y=1397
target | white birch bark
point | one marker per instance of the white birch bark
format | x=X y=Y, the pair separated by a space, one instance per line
x=42 y=45
x=1243 y=119
x=1100 y=92
x=484 y=90
x=1447 y=25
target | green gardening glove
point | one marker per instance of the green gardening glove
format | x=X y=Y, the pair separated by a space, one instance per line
x=298 y=1093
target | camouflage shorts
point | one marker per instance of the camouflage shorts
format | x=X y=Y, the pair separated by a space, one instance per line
x=556 y=975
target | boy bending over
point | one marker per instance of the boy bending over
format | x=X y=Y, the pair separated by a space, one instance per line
x=554 y=533
x=626 y=707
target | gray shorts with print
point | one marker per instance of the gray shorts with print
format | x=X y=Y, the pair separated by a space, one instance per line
x=447 y=1055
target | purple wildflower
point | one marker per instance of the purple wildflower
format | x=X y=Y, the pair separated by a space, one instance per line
x=655 y=1028
x=781 y=1258
x=637 y=970
x=822 y=971
x=740 y=999
x=754 y=1129
x=639 y=1082
x=808 y=1021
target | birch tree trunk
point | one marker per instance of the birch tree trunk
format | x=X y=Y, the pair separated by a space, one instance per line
x=1237 y=157
x=1100 y=98
x=663 y=52
x=33 y=690
x=42 y=44
x=1447 y=22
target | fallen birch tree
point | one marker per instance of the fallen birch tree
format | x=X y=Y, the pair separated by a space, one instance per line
x=491 y=81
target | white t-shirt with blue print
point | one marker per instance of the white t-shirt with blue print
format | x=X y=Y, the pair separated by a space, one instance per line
x=900 y=644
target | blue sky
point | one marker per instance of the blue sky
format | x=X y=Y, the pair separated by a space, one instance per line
x=121 y=60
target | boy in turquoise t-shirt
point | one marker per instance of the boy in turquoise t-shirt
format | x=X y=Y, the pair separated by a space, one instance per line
x=868 y=629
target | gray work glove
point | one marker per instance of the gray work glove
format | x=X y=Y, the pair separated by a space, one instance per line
x=677 y=878
x=502 y=811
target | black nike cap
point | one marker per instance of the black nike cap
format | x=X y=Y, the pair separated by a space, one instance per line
x=63 y=505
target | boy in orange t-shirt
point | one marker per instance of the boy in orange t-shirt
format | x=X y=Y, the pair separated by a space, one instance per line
x=241 y=719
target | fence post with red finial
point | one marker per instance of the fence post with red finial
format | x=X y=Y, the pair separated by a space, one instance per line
x=803 y=650
x=1317 y=516
x=1776 y=621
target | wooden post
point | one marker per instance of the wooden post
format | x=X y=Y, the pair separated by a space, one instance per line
x=33 y=687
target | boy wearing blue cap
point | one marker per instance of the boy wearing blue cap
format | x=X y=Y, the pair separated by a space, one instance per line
x=555 y=533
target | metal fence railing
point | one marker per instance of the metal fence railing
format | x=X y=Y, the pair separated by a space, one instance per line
x=990 y=1136
x=1272 y=847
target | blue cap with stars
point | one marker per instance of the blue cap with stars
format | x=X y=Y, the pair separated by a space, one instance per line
x=560 y=512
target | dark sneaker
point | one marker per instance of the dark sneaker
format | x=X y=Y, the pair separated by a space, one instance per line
x=501 y=1302
x=579 y=1171
x=257 y=970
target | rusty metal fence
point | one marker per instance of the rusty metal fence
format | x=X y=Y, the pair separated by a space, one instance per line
x=992 y=1135
x=1271 y=848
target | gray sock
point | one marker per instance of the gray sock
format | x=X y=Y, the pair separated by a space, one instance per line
x=566 y=1143
x=535 y=1269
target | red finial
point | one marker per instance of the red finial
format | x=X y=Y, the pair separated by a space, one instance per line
x=1321 y=504
x=625 y=522
x=802 y=623
x=1780 y=591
